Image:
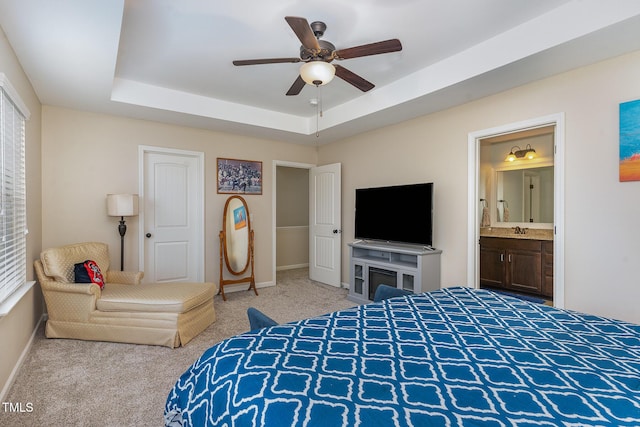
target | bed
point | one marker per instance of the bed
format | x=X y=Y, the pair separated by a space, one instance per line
x=452 y=357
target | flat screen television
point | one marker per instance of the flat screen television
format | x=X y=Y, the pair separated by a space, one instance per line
x=399 y=213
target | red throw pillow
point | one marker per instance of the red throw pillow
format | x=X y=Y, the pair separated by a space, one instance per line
x=88 y=272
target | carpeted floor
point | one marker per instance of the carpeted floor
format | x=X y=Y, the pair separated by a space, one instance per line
x=83 y=383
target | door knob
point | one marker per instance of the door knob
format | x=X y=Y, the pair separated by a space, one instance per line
x=148 y=235
x=336 y=231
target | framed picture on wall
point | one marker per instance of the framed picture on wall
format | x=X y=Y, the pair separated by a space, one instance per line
x=630 y=141
x=239 y=176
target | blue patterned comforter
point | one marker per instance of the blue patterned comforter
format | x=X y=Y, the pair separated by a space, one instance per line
x=453 y=357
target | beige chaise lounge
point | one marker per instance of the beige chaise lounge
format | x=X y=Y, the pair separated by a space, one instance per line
x=167 y=314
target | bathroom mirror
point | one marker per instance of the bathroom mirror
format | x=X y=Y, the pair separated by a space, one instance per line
x=525 y=195
x=236 y=244
x=505 y=184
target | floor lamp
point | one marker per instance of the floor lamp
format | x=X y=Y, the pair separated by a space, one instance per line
x=122 y=205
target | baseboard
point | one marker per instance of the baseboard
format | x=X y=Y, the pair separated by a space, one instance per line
x=291 y=267
x=238 y=287
x=18 y=366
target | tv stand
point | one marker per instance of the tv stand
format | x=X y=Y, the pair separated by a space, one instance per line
x=411 y=267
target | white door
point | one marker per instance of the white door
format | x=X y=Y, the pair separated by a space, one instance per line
x=173 y=227
x=325 y=227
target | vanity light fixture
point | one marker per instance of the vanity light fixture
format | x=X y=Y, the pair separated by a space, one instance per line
x=528 y=153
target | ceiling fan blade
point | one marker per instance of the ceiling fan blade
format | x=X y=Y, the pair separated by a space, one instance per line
x=296 y=87
x=377 y=48
x=265 y=61
x=354 y=79
x=301 y=27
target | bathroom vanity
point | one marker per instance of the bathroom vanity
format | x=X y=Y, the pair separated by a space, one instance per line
x=517 y=262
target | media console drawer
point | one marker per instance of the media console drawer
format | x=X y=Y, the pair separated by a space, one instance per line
x=409 y=267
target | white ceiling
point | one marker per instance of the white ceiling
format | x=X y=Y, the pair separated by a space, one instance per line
x=171 y=60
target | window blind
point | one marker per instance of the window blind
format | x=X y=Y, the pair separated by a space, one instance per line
x=13 y=203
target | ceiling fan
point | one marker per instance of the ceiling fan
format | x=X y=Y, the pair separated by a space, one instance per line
x=317 y=56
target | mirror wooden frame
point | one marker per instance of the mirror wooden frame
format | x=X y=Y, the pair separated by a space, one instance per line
x=235 y=234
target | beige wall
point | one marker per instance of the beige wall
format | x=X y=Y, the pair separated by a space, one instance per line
x=17 y=328
x=87 y=155
x=601 y=214
x=292 y=249
x=292 y=196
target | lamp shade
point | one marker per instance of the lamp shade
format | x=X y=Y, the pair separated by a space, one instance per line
x=122 y=204
x=317 y=73
x=531 y=154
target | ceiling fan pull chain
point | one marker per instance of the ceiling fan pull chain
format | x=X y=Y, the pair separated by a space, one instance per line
x=318 y=109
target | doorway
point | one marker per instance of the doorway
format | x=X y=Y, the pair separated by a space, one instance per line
x=322 y=229
x=290 y=230
x=291 y=217
x=474 y=203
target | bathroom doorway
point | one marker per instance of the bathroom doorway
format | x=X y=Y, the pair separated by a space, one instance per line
x=475 y=140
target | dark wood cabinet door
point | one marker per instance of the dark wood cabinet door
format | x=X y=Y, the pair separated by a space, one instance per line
x=520 y=265
x=492 y=267
x=524 y=270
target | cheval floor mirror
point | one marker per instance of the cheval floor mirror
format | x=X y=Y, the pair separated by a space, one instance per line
x=236 y=245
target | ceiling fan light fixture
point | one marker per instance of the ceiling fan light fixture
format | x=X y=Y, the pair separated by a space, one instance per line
x=317 y=73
